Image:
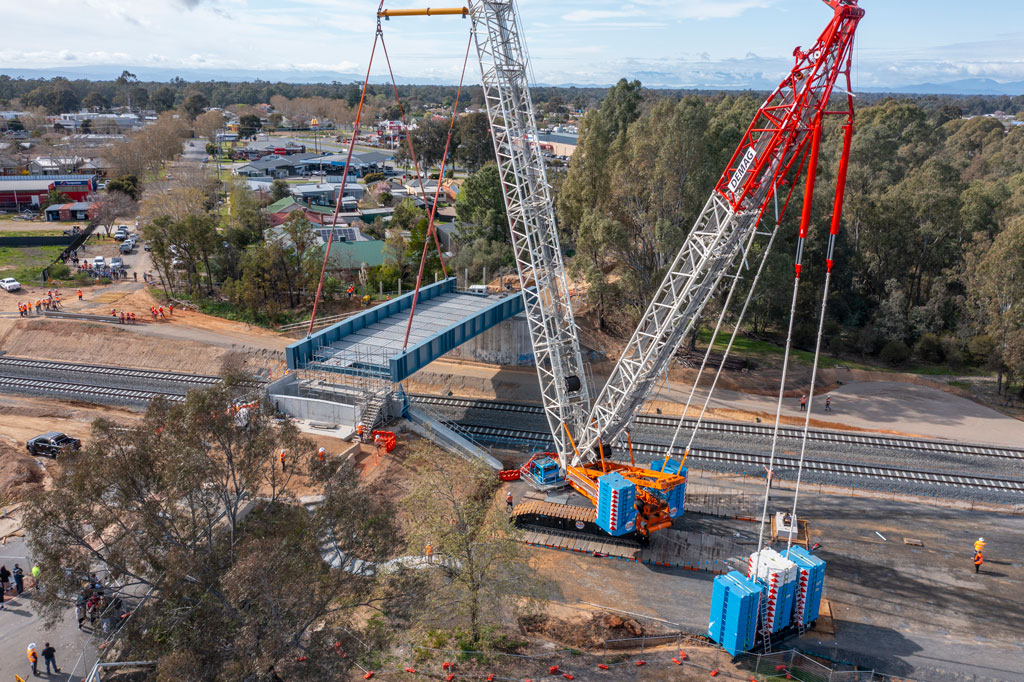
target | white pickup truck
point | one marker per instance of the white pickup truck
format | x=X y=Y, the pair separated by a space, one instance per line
x=10 y=284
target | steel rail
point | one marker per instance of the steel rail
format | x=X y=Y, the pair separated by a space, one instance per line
x=541 y=439
x=22 y=384
x=119 y=372
x=745 y=429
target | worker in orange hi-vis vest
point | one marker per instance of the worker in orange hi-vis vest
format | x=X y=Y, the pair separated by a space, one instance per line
x=79 y=294
x=33 y=657
x=979 y=559
x=359 y=431
x=429 y=551
x=282 y=460
x=979 y=545
x=377 y=442
x=320 y=454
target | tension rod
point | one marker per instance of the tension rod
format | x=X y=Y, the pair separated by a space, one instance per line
x=426 y=12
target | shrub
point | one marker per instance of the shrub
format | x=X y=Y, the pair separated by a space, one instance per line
x=105 y=280
x=805 y=335
x=981 y=349
x=868 y=341
x=929 y=348
x=895 y=353
x=435 y=175
x=60 y=271
x=82 y=277
x=371 y=178
x=953 y=351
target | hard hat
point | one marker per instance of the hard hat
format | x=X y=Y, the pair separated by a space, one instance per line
x=981 y=539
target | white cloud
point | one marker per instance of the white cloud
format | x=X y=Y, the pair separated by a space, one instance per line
x=702 y=9
x=586 y=15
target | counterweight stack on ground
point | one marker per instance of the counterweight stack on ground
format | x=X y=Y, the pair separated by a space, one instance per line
x=810 y=585
x=734 y=612
x=779 y=577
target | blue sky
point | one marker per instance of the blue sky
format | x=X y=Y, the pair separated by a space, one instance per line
x=691 y=43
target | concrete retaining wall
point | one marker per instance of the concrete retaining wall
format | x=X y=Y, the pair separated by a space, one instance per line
x=506 y=344
x=284 y=394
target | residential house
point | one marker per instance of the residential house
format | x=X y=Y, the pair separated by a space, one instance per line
x=363 y=162
x=273 y=167
x=326 y=193
x=79 y=210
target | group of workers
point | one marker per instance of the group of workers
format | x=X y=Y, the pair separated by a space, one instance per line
x=51 y=301
x=157 y=311
x=321 y=456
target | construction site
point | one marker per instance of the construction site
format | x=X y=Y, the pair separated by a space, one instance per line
x=687 y=516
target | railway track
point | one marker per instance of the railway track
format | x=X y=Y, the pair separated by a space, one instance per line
x=539 y=439
x=13 y=364
x=84 y=391
x=744 y=429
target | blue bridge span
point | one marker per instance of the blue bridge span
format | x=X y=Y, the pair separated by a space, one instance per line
x=370 y=343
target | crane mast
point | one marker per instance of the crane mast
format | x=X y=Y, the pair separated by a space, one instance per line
x=538 y=255
x=784 y=125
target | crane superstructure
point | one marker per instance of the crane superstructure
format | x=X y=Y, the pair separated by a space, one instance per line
x=783 y=137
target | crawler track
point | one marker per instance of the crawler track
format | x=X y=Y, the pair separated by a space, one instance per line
x=538 y=439
x=740 y=428
x=83 y=391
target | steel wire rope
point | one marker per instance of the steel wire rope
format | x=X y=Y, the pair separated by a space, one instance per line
x=711 y=342
x=408 y=138
x=728 y=349
x=431 y=229
x=378 y=35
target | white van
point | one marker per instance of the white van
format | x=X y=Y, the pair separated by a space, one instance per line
x=99 y=262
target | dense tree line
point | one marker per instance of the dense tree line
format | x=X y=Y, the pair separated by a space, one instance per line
x=928 y=255
x=59 y=95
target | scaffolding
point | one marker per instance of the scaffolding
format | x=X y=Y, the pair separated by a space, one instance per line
x=356 y=374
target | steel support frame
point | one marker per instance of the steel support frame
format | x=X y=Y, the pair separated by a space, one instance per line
x=765 y=158
x=553 y=331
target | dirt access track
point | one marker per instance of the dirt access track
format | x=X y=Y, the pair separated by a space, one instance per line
x=187 y=342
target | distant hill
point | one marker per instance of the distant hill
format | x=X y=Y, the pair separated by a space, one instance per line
x=653 y=79
x=966 y=86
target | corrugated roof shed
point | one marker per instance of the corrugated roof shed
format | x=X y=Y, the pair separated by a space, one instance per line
x=353 y=254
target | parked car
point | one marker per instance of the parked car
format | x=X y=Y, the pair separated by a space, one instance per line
x=147 y=247
x=116 y=263
x=99 y=262
x=126 y=246
x=53 y=443
x=121 y=235
x=10 y=284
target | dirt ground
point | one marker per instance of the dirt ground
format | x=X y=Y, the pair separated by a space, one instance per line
x=102 y=344
x=23 y=417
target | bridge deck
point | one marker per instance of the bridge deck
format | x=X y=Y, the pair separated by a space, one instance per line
x=371 y=342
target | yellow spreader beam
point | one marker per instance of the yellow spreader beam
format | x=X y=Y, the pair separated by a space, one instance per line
x=426 y=12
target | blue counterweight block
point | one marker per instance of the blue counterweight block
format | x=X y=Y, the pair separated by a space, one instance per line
x=616 y=496
x=733 y=619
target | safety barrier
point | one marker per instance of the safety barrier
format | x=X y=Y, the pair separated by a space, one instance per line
x=388 y=439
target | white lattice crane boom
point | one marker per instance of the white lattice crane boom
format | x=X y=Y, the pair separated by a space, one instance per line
x=503 y=65
x=788 y=120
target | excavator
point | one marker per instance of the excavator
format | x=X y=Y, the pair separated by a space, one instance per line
x=780 y=145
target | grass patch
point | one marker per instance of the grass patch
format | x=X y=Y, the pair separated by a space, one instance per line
x=960 y=384
x=227 y=310
x=34 y=233
x=768 y=352
x=26 y=264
